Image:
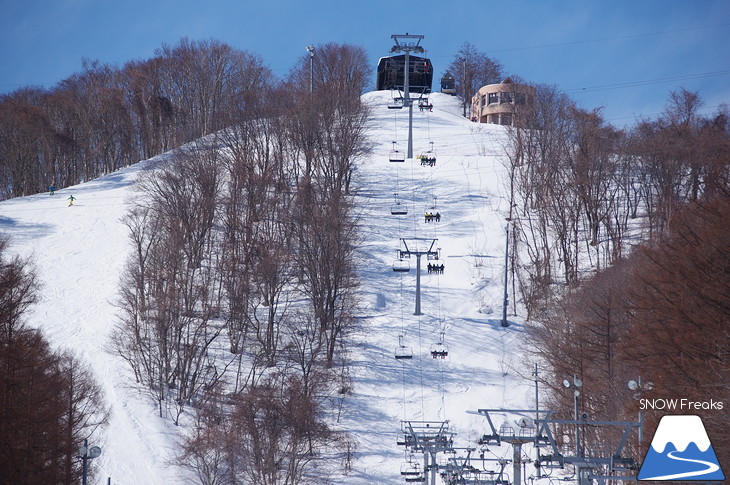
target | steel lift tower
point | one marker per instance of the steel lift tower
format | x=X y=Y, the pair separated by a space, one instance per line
x=414 y=250
x=407 y=43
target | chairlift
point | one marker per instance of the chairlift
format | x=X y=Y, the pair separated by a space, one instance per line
x=431 y=214
x=410 y=468
x=397 y=101
x=402 y=352
x=428 y=158
x=423 y=103
x=397 y=155
x=418 y=479
x=434 y=255
x=398 y=209
x=401 y=265
x=440 y=350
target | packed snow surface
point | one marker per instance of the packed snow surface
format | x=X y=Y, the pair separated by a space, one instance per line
x=80 y=250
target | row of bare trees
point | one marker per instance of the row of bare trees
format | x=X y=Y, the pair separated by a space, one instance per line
x=659 y=315
x=105 y=118
x=240 y=292
x=50 y=401
x=583 y=193
x=621 y=257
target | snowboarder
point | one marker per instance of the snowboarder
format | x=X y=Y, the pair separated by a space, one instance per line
x=71 y=200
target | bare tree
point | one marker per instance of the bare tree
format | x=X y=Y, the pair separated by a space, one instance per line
x=473 y=69
x=169 y=313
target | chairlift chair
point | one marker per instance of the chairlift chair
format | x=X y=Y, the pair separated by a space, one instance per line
x=398 y=209
x=410 y=468
x=401 y=266
x=396 y=102
x=397 y=155
x=402 y=352
x=428 y=158
x=440 y=350
x=431 y=213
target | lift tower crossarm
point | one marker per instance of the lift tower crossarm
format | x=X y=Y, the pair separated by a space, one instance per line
x=415 y=47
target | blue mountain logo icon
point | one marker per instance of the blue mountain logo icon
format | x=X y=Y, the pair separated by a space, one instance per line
x=681 y=451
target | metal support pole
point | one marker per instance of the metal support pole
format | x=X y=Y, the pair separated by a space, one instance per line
x=506 y=274
x=465 y=88
x=516 y=462
x=407 y=47
x=407 y=101
x=84 y=459
x=425 y=466
x=418 y=285
x=410 y=130
x=575 y=414
x=310 y=49
x=434 y=468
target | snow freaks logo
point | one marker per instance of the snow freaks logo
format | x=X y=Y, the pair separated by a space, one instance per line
x=681 y=450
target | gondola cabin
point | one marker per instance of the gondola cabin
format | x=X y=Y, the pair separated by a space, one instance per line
x=391 y=70
x=448 y=84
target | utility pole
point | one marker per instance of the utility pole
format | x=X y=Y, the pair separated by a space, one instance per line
x=310 y=49
x=407 y=43
x=86 y=454
x=464 y=87
x=505 y=323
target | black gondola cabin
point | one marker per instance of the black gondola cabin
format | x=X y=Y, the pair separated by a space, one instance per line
x=448 y=84
x=390 y=73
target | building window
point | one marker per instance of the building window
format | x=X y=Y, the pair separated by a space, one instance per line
x=484 y=100
x=520 y=98
x=505 y=119
x=506 y=98
x=493 y=98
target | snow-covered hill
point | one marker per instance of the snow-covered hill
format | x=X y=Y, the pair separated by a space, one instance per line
x=79 y=252
x=465 y=302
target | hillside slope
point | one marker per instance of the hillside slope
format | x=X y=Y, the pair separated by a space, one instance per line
x=79 y=252
x=464 y=303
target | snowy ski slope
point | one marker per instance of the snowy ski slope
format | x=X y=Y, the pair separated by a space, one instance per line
x=79 y=252
x=465 y=302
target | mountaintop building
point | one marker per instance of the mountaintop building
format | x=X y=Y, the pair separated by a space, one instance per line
x=506 y=103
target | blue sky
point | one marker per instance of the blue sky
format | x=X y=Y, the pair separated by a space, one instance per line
x=623 y=55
